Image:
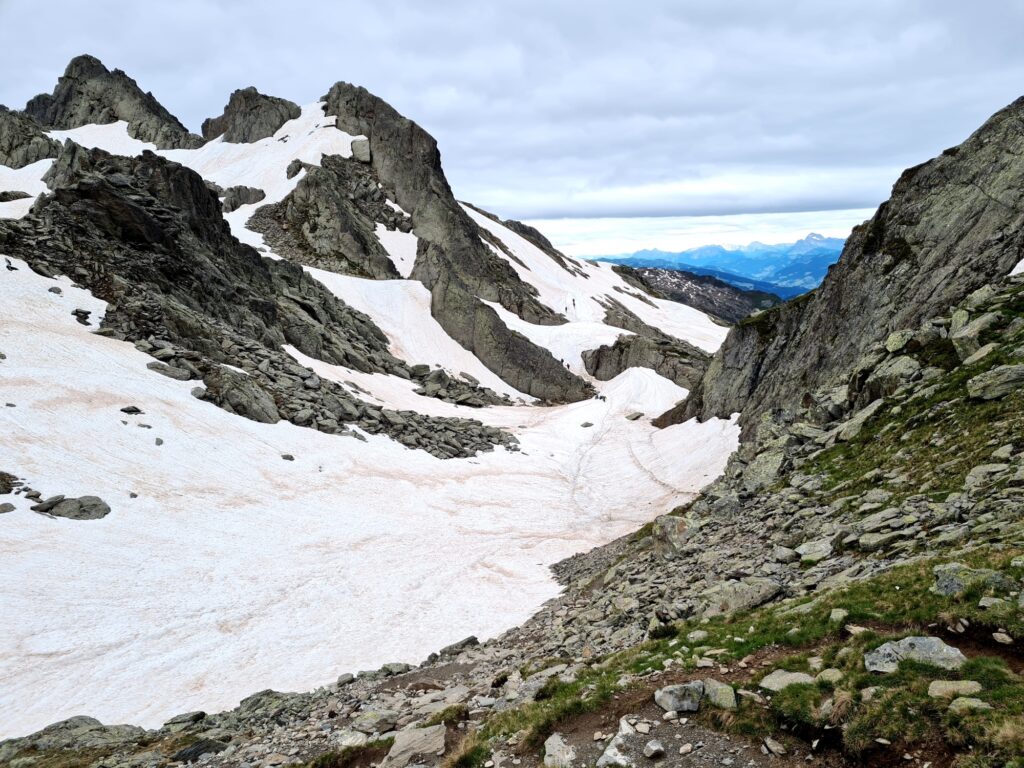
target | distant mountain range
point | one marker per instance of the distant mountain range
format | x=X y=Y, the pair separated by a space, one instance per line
x=785 y=269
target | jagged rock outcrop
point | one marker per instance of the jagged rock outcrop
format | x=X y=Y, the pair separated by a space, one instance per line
x=646 y=347
x=88 y=92
x=951 y=225
x=452 y=261
x=22 y=141
x=147 y=235
x=250 y=116
x=329 y=220
x=676 y=360
x=236 y=197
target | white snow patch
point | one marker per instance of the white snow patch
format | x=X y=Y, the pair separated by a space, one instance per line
x=1018 y=269
x=234 y=570
x=401 y=308
x=111 y=137
x=263 y=164
x=401 y=247
x=575 y=294
x=566 y=342
x=28 y=180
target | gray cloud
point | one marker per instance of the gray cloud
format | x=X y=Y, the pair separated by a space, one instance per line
x=548 y=109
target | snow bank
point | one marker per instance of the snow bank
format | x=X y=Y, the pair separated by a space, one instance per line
x=28 y=180
x=234 y=570
x=577 y=292
x=401 y=308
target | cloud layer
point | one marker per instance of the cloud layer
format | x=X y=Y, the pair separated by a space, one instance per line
x=567 y=109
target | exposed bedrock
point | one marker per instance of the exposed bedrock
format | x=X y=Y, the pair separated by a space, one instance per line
x=250 y=116
x=88 y=93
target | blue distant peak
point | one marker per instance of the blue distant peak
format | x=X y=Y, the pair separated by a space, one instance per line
x=798 y=266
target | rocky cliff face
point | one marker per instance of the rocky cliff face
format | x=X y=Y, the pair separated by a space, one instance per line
x=950 y=226
x=329 y=220
x=22 y=141
x=452 y=260
x=250 y=116
x=88 y=92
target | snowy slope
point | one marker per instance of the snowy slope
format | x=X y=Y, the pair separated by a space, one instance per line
x=234 y=570
x=578 y=294
x=232 y=567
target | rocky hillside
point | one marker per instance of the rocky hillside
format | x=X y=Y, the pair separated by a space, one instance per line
x=851 y=594
x=951 y=226
x=704 y=292
x=845 y=589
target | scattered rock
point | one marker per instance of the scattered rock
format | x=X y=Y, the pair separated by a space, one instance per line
x=780 y=679
x=966 y=704
x=996 y=383
x=82 y=508
x=719 y=694
x=654 y=749
x=194 y=751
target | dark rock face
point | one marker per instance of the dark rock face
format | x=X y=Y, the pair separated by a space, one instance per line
x=147 y=236
x=452 y=261
x=7 y=197
x=236 y=197
x=250 y=116
x=674 y=359
x=708 y=294
x=90 y=93
x=951 y=226
x=22 y=141
x=648 y=347
x=328 y=221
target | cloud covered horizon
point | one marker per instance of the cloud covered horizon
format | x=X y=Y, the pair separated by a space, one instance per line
x=549 y=110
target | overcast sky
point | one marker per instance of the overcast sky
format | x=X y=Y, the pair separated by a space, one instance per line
x=548 y=108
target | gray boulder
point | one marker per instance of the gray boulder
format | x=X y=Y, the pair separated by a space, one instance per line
x=415 y=742
x=684 y=697
x=194 y=751
x=996 y=383
x=236 y=197
x=781 y=679
x=81 y=508
x=732 y=596
x=926 y=650
x=955 y=579
x=557 y=752
x=719 y=694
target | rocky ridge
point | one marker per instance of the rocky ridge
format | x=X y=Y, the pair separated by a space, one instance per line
x=147 y=235
x=952 y=225
x=703 y=292
x=88 y=92
x=452 y=260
